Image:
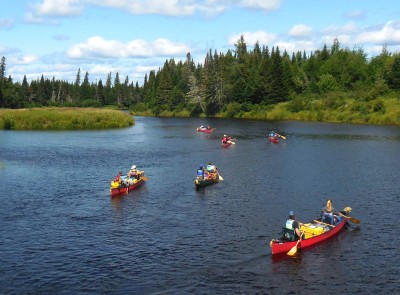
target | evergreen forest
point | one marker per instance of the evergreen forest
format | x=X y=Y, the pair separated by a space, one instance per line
x=234 y=83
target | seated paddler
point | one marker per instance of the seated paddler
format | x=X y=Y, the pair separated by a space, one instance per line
x=134 y=172
x=201 y=172
x=211 y=168
x=292 y=227
x=327 y=215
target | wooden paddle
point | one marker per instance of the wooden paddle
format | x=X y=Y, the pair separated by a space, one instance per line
x=352 y=219
x=284 y=137
x=144 y=178
x=220 y=177
x=293 y=251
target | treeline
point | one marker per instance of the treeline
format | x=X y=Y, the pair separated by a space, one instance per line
x=242 y=77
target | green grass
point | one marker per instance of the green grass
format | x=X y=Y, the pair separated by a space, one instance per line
x=63 y=119
x=380 y=111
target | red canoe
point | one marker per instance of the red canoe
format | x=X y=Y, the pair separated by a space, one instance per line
x=273 y=139
x=124 y=190
x=205 y=130
x=322 y=232
x=226 y=144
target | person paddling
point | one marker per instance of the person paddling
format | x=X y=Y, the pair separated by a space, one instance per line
x=226 y=139
x=118 y=177
x=294 y=225
x=327 y=215
x=275 y=135
x=201 y=173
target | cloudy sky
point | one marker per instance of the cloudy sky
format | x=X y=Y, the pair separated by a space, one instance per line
x=57 y=37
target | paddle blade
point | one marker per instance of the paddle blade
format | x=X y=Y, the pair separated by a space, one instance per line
x=284 y=137
x=144 y=178
x=220 y=177
x=355 y=220
x=352 y=219
x=293 y=251
x=233 y=142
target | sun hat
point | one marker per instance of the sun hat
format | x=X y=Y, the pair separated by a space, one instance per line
x=133 y=167
x=291 y=213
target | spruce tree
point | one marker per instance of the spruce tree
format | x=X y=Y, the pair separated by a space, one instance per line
x=3 y=68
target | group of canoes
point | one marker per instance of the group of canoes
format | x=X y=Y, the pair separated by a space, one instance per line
x=227 y=141
x=314 y=232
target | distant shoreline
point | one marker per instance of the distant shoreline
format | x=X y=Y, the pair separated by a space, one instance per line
x=60 y=118
x=381 y=111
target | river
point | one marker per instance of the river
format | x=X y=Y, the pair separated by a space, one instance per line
x=62 y=233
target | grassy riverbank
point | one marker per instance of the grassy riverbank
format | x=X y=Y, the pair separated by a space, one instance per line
x=63 y=119
x=328 y=108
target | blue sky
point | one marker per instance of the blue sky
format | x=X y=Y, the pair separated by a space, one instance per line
x=57 y=37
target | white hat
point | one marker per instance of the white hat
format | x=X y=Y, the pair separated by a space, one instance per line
x=133 y=167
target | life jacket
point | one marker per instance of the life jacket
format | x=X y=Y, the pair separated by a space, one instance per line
x=200 y=172
x=224 y=140
x=210 y=168
x=289 y=224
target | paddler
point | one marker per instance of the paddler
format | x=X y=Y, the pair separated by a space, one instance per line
x=294 y=225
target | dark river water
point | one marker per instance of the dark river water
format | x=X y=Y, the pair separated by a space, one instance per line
x=62 y=233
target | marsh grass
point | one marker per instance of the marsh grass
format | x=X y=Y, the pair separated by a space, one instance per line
x=380 y=111
x=63 y=119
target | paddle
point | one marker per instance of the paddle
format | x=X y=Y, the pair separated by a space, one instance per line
x=281 y=136
x=144 y=178
x=293 y=251
x=324 y=223
x=352 y=219
x=220 y=177
x=233 y=142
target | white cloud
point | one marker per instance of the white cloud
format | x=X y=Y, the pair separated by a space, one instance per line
x=350 y=28
x=344 y=40
x=291 y=47
x=389 y=33
x=24 y=59
x=251 y=38
x=56 y=8
x=98 y=47
x=300 y=30
x=68 y=8
x=164 y=7
x=261 y=4
x=145 y=69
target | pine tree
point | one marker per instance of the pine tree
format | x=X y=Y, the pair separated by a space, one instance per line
x=76 y=94
x=394 y=74
x=3 y=68
x=85 y=90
